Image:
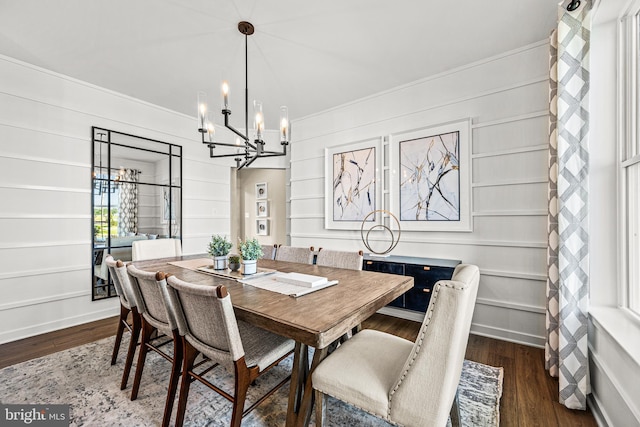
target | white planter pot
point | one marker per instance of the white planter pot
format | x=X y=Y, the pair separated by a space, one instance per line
x=249 y=266
x=220 y=262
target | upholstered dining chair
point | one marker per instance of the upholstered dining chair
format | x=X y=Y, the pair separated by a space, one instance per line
x=127 y=305
x=340 y=259
x=406 y=383
x=208 y=326
x=269 y=251
x=294 y=254
x=150 y=292
x=157 y=248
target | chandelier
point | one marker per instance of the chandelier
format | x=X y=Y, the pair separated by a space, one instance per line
x=247 y=150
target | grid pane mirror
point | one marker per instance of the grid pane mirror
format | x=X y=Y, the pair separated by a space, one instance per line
x=136 y=194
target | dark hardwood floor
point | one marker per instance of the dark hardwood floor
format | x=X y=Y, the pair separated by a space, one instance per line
x=529 y=397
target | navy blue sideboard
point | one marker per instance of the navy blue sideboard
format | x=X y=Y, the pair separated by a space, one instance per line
x=425 y=272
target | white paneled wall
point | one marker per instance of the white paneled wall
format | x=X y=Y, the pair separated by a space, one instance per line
x=507 y=99
x=45 y=188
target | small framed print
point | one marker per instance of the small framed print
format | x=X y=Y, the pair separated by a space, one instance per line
x=262 y=209
x=261 y=190
x=262 y=227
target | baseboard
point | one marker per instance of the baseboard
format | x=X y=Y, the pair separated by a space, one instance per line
x=596 y=410
x=42 y=328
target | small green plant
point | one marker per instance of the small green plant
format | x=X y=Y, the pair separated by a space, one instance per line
x=219 y=246
x=250 y=249
x=234 y=259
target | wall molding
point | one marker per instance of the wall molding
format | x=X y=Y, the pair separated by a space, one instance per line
x=45 y=160
x=46 y=188
x=527 y=149
x=307 y=197
x=304 y=159
x=437 y=241
x=514 y=275
x=528 y=212
x=205 y=199
x=206 y=217
x=21 y=245
x=44 y=216
x=511 y=119
x=511 y=306
x=308 y=178
x=508 y=335
x=510 y=182
x=46 y=271
x=44 y=300
x=208 y=181
x=306 y=216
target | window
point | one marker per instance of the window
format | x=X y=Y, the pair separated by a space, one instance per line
x=630 y=158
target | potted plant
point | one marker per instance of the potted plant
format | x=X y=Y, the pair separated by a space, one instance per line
x=234 y=262
x=250 y=250
x=219 y=248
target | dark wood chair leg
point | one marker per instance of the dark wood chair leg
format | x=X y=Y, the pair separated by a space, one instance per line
x=455 y=412
x=173 y=379
x=124 y=312
x=242 y=381
x=189 y=357
x=321 y=408
x=147 y=330
x=135 y=334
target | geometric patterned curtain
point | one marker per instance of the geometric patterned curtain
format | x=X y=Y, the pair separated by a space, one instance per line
x=566 y=349
x=128 y=204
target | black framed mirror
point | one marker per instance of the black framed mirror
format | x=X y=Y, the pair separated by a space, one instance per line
x=136 y=194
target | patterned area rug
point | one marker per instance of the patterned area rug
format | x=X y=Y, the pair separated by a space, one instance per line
x=83 y=378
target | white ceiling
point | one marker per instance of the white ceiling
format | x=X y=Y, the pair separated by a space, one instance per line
x=309 y=55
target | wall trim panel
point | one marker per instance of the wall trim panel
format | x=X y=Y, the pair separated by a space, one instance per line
x=44 y=300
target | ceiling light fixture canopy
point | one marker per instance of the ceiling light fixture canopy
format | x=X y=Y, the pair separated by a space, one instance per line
x=252 y=149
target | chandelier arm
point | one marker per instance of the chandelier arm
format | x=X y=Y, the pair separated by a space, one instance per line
x=215 y=156
x=274 y=153
x=251 y=160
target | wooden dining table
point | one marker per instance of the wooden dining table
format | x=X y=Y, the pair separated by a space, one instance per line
x=317 y=319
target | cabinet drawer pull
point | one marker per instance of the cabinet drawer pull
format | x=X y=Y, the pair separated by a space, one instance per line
x=426 y=268
x=426 y=290
x=369 y=262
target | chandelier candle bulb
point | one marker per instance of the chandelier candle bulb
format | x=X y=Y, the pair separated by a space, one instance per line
x=225 y=95
x=202 y=111
x=284 y=124
x=211 y=130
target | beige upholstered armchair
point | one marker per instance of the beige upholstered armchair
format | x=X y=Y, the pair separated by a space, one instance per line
x=406 y=383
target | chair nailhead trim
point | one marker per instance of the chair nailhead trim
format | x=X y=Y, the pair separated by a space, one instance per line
x=449 y=284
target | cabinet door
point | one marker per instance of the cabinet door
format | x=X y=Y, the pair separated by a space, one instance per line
x=425 y=277
x=387 y=267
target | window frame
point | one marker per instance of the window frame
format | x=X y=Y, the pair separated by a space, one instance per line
x=629 y=159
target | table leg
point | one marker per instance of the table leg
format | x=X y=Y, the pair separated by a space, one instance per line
x=299 y=374
x=304 y=414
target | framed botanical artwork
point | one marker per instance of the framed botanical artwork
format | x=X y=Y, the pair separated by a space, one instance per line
x=262 y=227
x=262 y=208
x=430 y=170
x=353 y=184
x=261 y=190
